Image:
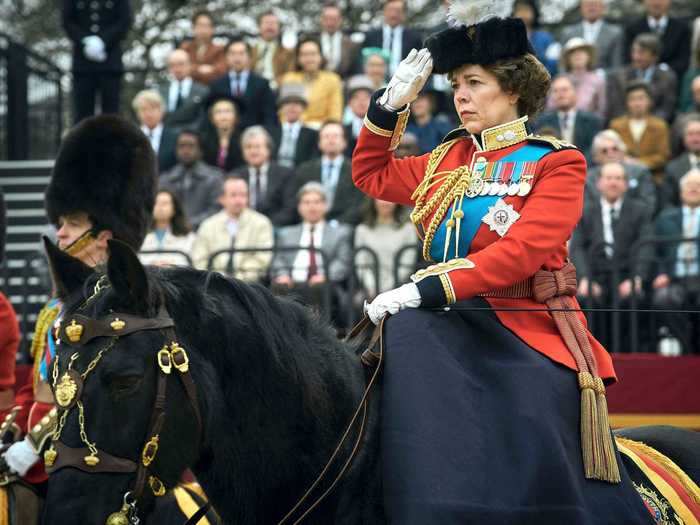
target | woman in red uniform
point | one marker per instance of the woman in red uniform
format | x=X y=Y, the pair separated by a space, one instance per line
x=489 y=416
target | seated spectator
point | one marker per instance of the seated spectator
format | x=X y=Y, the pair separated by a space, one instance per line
x=170 y=231
x=9 y=344
x=271 y=187
x=196 y=185
x=570 y=124
x=207 y=58
x=303 y=271
x=339 y=50
x=269 y=58
x=429 y=129
x=607 y=147
x=603 y=247
x=359 y=93
x=646 y=136
x=645 y=67
x=408 y=147
x=577 y=62
x=332 y=170
x=689 y=160
x=295 y=142
x=324 y=90
x=375 y=66
x=257 y=106
x=148 y=106
x=385 y=231
x=235 y=227
x=221 y=140
x=607 y=38
x=184 y=98
x=686 y=101
x=682 y=118
x=546 y=48
x=678 y=283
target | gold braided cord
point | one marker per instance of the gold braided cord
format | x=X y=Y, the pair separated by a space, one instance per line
x=44 y=322
x=434 y=161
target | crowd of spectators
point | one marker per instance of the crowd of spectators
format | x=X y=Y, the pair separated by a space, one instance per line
x=254 y=142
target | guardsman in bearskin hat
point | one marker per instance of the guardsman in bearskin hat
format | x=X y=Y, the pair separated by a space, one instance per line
x=490 y=414
x=102 y=187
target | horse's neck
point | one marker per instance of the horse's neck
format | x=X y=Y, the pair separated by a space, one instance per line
x=270 y=440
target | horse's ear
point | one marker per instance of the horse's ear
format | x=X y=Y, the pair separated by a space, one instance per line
x=67 y=273
x=127 y=275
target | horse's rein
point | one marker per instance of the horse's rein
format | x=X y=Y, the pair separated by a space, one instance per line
x=370 y=359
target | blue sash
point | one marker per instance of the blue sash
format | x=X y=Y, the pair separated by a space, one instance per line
x=476 y=208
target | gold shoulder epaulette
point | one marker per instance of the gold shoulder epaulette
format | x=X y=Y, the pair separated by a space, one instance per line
x=554 y=142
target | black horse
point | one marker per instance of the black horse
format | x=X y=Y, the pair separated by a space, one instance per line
x=276 y=390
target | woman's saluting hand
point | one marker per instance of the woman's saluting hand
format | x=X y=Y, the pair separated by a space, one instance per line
x=408 y=80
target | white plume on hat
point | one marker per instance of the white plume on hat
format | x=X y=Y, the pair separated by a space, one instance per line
x=470 y=12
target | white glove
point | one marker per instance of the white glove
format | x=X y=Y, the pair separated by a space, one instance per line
x=408 y=80
x=94 y=48
x=393 y=301
x=20 y=457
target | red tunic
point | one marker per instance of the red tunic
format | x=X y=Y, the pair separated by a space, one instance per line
x=538 y=239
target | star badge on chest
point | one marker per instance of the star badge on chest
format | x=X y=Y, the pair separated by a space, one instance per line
x=500 y=217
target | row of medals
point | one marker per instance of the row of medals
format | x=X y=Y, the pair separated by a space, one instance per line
x=478 y=187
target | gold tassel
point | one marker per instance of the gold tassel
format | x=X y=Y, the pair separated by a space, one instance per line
x=609 y=471
x=589 y=423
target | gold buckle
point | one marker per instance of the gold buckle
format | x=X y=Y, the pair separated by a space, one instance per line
x=150 y=449
x=177 y=350
x=156 y=486
x=164 y=360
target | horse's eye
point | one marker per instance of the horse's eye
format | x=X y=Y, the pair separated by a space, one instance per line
x=124 y=384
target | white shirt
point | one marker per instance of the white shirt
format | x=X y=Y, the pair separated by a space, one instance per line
x=154 y=135
x=288 y=143
x=238 y=81
x=253 y=174
x=608 y=233
x=300 y=267
x=661 y=23
x=394 y=48
x=329 y=178
x=694 y=160
x=331 y=49
x=232 y=227
x=687 y=254
x=567 y=132
x=637 y=128
x=184 y=86
x=591 y=30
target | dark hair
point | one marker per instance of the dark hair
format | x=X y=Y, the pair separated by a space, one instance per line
x=240 y=40
x=179 y=224
x=262 y=15
x=526 y=76
x=200 y=13
x=192 y=133
x=369 y=214
x=649 y=42
x=304 y=40
x=532 y=4
x=638 y=85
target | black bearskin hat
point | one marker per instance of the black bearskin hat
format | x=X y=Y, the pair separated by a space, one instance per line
x=106 y=168
x=480 y=33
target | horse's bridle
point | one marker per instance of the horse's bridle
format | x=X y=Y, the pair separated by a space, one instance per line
x=77 y=330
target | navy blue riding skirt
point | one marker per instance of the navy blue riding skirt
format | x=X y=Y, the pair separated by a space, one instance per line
x=477 y=427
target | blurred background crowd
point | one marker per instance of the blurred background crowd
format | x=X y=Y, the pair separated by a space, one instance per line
x=254 y=139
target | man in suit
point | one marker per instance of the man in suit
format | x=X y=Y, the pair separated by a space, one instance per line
x=305 y=272
x=678 y=283
x=571 y=125
x=678 y=167
x=149 y=107
x=359 y=94
x=332 y=170
x=235 y=227
x=196 y=184
x=673 y=33
x=605 y=37
x=603 y=246
x=271 y=187
x=295 y=142
x=338 y=49
x=269 y=58
x=395 y=38
x=96 y=28
x=662 y=81
x=206 y=56
x=242 y=83
x=608 y=147
x=184 y=98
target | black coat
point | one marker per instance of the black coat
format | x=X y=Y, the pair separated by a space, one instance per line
x=307 y=144
x=586 y=125
x=375 y=38
x=669 y=224
x=108 y=19
x=260 y=107
x=675 y=43
x=210 y=150
x=166 y=149
x=279 y=201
